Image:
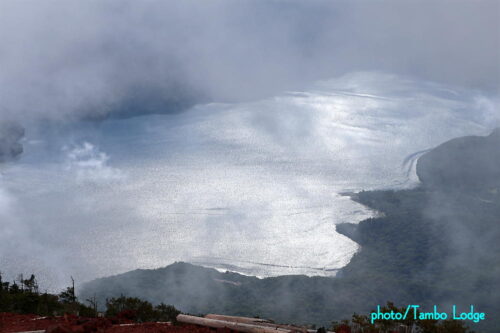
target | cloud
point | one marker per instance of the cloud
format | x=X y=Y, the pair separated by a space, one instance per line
x=10 y=141
x=63 y=60
x=90 y=164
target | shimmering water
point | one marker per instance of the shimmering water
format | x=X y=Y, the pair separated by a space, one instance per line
x=254 y=188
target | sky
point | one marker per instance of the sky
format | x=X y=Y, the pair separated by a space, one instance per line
x=67 y=60
x=212 y=81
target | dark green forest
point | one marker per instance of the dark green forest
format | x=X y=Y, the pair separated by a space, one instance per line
x=23 y=296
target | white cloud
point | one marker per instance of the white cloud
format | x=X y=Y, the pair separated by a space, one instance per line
x=66 y=60
x=90 y=164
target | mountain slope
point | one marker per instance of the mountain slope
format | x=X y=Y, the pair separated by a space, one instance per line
x=435 y=244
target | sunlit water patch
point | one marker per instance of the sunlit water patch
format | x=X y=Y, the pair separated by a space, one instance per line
x=253 y=188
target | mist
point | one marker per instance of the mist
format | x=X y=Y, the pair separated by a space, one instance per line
x=66 y=61
x=252 y=111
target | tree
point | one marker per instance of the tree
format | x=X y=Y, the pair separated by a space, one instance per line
x=166 y=313
x=30 y=284
x=93 y=304
x=142 y=311
x=68 y=296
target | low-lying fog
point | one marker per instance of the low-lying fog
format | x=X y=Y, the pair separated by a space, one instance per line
x=252 y=187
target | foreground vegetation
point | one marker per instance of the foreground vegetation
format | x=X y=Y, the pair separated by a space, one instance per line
x=363 y=324
x=23 y=297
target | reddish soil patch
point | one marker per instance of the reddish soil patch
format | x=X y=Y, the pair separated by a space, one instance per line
x=11 y=322
x=158 y=328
